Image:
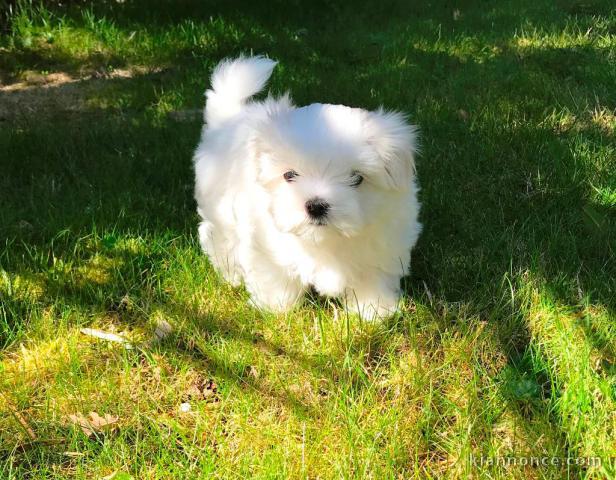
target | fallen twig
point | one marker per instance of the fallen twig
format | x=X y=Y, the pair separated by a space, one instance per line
x=20 y=419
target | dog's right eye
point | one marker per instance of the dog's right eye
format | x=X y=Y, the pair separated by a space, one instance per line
x=290 y=175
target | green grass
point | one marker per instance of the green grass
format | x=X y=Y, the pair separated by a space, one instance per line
x=506 y=346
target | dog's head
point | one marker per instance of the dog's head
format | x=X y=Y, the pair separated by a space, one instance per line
x=331 y=169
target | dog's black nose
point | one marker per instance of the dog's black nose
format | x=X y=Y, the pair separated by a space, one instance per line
x=317 y=208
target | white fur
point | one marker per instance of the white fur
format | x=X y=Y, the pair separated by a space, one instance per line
x=255 y=226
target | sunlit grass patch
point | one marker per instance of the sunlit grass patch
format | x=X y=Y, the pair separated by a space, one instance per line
x=578 y=345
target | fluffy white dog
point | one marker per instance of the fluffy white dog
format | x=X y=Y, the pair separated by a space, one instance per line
x=322 y=195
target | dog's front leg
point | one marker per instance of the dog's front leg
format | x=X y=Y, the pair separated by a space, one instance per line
x=275 y=297
x=375 y=296
x=271 y=288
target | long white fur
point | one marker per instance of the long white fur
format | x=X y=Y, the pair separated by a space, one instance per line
x=234 y=81
x=255 y=227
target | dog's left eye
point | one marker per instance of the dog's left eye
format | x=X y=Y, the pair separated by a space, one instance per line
x=290 y=175
x=356 y=179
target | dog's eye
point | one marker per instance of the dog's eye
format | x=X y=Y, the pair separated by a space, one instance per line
x=356 y=179
x=290 y=175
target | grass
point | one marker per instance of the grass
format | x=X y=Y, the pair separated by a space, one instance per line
x=506 y=346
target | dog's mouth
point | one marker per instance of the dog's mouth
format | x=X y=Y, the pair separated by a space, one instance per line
x=314 y=229
x=320 y=222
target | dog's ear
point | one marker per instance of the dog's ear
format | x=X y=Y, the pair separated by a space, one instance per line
x=263 y=150
x=391 y=145
x=260 y=153
x=265 y=136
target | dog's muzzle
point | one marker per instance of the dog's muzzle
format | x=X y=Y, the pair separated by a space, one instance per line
x=317 y=209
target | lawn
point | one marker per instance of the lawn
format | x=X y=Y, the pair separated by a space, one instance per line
x=505 y=348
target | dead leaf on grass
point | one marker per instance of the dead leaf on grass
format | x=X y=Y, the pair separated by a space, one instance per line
x=201 y=389
x=93 y=424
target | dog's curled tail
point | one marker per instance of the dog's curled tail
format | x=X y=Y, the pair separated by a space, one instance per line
x=233 y=82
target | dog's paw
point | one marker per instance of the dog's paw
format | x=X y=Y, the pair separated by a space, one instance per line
x=270 y=305
x=275 y=301
x=233 y=277
x=372 y=311
x=328 y=282
x=372 y=305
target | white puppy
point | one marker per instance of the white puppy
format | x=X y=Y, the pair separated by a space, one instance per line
x=290 y=197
